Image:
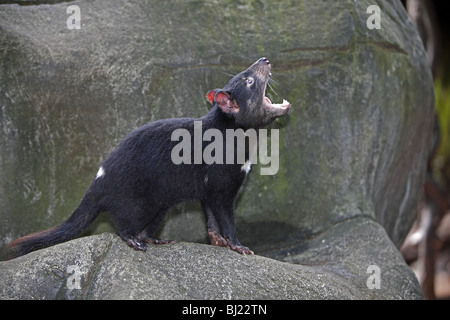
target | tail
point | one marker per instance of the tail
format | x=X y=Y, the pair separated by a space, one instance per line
x=80 y=219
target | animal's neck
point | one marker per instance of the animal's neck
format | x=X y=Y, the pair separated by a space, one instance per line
x=218 y=119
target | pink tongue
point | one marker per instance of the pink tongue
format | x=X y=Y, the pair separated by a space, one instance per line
x=268 y=100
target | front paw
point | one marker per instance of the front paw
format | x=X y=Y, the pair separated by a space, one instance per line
x=241 y=249
x=217 y=240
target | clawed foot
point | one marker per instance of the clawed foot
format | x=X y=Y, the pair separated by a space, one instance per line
x=157 y=241
x=242 y=249
x=217 y=240
x=137 y=244
x=141 y=245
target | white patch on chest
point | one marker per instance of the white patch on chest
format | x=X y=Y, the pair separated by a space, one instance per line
x=100 y=173
x=252 y=159
x=246 y=166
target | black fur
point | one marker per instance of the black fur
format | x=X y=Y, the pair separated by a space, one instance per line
x=140 y=182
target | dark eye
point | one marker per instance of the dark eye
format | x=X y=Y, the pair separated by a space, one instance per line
x=250 y=81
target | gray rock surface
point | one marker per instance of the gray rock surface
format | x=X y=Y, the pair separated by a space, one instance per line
x=108 y=269
x=352 y=153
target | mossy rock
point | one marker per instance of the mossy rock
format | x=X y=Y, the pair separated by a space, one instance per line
x=354 y=146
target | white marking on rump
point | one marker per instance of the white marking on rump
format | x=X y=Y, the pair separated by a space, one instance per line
x=100 y=173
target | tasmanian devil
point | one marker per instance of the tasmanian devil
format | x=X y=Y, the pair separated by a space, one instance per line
x=138 y=182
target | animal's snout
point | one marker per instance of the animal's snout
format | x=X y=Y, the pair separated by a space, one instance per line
x=264 y=60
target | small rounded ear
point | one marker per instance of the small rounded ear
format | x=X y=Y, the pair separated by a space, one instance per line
x=210 y=96
x=224 y=101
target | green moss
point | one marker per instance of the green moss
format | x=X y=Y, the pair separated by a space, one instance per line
x=442 y=160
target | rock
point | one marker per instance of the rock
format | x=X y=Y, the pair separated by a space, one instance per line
x=353 y=150
x=106 y=268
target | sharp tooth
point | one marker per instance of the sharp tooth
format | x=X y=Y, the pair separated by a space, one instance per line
x=281 y=105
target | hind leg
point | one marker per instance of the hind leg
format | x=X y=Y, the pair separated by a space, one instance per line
x=131 y=221
x=131 y=236
x=137 y=233
x=147 y=235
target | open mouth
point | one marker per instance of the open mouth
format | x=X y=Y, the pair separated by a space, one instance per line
x=284 y=105
x=280 y=106
x=262 y=68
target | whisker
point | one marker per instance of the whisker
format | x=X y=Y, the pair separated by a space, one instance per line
x=271 y=88
x=275 y=82
x=229 y=74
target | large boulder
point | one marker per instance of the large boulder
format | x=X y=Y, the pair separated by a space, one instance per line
x=353 y=150
x=103 y=267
